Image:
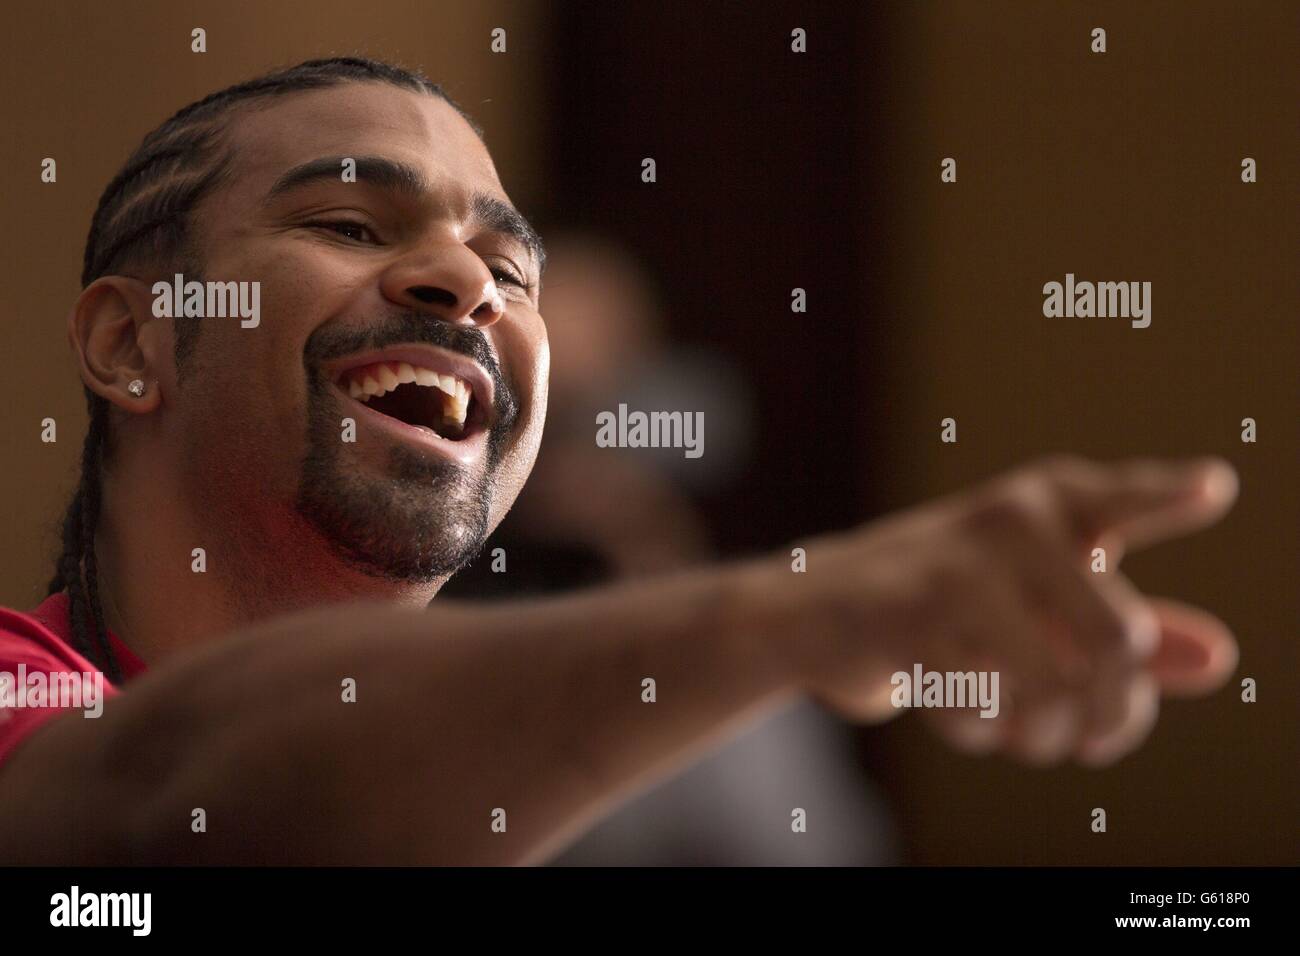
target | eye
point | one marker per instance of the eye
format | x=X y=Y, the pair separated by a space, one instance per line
x=346 y=228
x=509 y=276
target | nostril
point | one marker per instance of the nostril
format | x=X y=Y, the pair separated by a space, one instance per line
x=430 y=294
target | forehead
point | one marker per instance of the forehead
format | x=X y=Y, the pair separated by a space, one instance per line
x=358 y=119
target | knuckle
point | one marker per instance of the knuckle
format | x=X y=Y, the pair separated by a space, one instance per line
x=1126 y=628
x=1140 y=630
x=1112 y=633
x=1061 y=465
x=1016 y=508
x=1106 y=713
x=1100 y=628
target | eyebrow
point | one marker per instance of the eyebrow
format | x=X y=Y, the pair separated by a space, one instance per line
x=397 y=177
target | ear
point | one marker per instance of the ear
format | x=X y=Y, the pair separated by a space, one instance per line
x=117 y=339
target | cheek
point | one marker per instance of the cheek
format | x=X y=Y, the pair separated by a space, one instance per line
x=244 y=422
x=525 y=350
x=542 y=373
x=533 y=358
x=533 y=384
x=261 y=376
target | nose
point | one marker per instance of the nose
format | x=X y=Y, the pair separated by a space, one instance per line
x=448 y=281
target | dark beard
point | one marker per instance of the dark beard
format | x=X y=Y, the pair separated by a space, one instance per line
x=426 y=517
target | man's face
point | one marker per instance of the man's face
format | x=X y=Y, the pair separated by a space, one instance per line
x=411 y=271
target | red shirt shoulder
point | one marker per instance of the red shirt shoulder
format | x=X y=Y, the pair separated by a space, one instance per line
x=39 y=641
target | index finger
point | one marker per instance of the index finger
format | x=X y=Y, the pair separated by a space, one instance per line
x=1143 y=501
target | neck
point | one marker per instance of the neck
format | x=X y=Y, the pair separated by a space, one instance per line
x=159 y=596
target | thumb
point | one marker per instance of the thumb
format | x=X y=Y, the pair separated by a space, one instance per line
x=1196 y=654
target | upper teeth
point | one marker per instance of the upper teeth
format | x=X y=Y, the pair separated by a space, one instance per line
x=380 y=378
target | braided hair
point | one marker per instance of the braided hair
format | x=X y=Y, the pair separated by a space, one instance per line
x=143 y=215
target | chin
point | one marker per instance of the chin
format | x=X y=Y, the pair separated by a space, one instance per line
x=410 y=535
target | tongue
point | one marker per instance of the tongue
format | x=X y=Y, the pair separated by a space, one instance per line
x=419 y=406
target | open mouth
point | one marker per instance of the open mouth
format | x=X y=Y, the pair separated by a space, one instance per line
x=436 y=401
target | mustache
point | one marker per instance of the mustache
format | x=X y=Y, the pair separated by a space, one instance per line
x=406 y=328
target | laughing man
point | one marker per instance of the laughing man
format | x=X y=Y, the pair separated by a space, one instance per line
x=265 y=515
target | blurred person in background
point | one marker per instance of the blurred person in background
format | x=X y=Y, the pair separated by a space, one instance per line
x=591 y=515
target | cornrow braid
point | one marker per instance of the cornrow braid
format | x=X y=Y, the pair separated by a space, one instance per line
x=79 y=548
x=144 y=215
x=175 y=166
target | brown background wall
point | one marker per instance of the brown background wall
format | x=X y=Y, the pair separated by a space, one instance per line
x=1117 y=166
x=925 y=298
